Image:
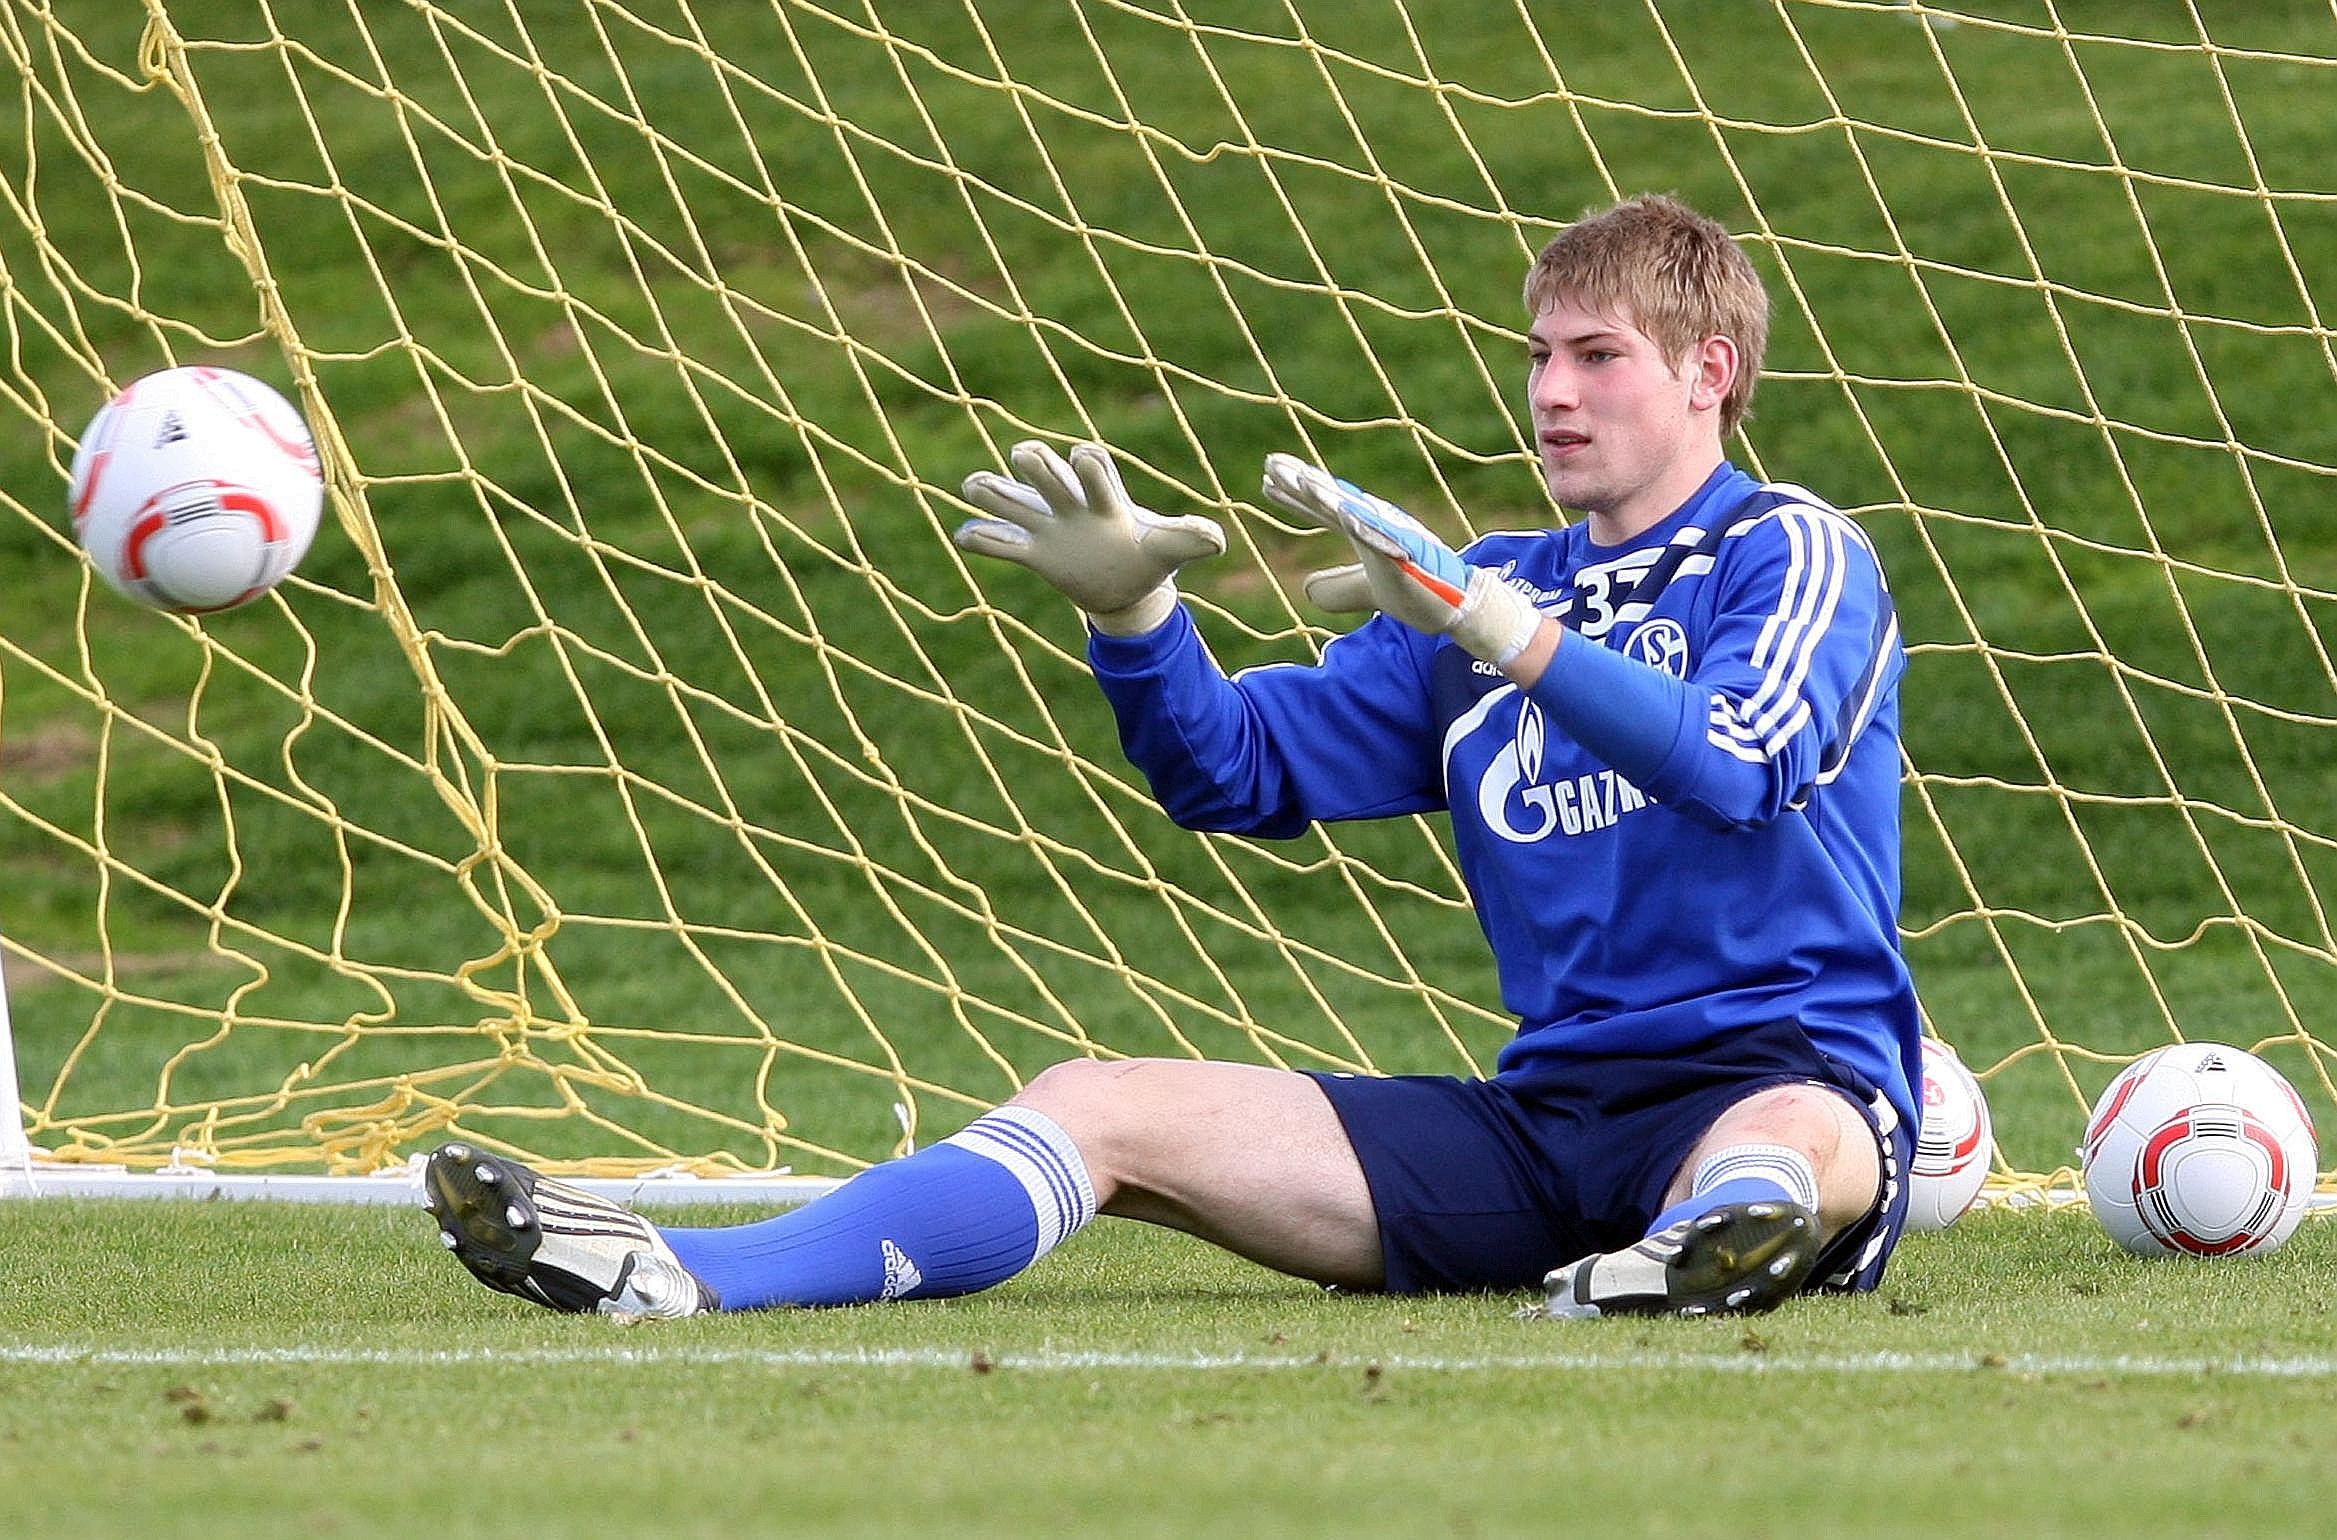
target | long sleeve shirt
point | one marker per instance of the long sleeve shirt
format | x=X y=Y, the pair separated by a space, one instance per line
x=1688 y=825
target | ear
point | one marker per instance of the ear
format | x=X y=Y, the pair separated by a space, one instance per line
x=1712 y=369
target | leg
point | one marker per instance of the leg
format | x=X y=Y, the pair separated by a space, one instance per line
x=1252 y=1159
x=1248 y=1158
x=1775 y=1176
x=1817 y=1122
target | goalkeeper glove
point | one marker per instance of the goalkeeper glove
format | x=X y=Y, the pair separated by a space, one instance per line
x=1073 y=525
x=1402 y=569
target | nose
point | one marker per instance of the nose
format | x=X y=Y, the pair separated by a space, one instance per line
x=1552 y=387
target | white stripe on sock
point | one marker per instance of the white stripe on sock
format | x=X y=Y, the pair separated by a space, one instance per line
x=1789 y=1168
x=1034 y=1148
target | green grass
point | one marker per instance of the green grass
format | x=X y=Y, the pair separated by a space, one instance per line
x=316 y=1372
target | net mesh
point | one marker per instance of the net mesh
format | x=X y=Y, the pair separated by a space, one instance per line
x=634 y=776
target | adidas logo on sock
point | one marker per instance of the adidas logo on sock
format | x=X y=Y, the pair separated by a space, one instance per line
x=900 y=1274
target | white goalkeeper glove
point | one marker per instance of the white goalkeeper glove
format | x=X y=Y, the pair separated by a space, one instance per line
x=1073 y=525
x=1402 y=569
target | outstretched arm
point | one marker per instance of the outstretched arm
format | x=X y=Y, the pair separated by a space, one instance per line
x=1268 y=753
x=1628 y=715
x=1402 y=569
x=1802 y=656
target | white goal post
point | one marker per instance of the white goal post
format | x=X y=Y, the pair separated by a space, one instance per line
x=25 y=1174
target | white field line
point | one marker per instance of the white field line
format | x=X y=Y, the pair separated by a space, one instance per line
x=2303 y=1367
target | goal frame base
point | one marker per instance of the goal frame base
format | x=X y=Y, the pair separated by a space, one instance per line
x=34 y=1178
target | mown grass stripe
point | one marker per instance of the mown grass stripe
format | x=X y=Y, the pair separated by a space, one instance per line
x=2293 y=1367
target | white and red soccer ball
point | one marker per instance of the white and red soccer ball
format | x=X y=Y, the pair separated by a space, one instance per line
x=195 y=489
x=1954 y=1145
x=2199 y=1149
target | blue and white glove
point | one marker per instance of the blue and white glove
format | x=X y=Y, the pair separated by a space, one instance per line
x=1402 y=569
x=1073 y=525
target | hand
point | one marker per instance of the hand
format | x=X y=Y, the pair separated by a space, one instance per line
x=1403 y=570
x=1073 y=525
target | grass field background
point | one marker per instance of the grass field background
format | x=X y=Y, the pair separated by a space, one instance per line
x=632 y=770
x=318 y=1372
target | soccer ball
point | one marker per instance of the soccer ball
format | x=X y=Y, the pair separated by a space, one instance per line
x=195 y=489
x=1955 y=1144
x=2199 y=1150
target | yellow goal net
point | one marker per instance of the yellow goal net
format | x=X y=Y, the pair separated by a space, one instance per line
x=634 y=777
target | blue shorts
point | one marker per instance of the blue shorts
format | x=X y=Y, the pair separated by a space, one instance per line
x=1489 y=1184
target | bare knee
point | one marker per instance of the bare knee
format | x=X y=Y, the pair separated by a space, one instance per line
x=1823 y=1125
x=1104 y=1106
x=1077 y=1091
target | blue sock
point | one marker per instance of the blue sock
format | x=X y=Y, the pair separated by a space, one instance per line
x=1745 y=1173
x=955 y=1217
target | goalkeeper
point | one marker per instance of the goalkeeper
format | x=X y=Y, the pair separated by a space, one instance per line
x=1667 y=737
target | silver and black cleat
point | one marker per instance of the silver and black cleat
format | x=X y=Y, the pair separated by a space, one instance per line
x=552 y=1244
x=1739 y=1258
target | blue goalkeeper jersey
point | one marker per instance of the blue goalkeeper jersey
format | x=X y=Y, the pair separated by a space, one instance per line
x=1694 y=830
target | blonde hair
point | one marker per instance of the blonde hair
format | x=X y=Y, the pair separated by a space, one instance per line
x=1668 y=270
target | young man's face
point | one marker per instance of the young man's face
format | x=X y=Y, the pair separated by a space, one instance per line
x=1625 y=434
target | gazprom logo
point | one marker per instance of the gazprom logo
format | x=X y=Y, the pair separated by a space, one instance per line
x=1513 y=775
x=1531 y=735
x=1516 y=806
x=1663 y=643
